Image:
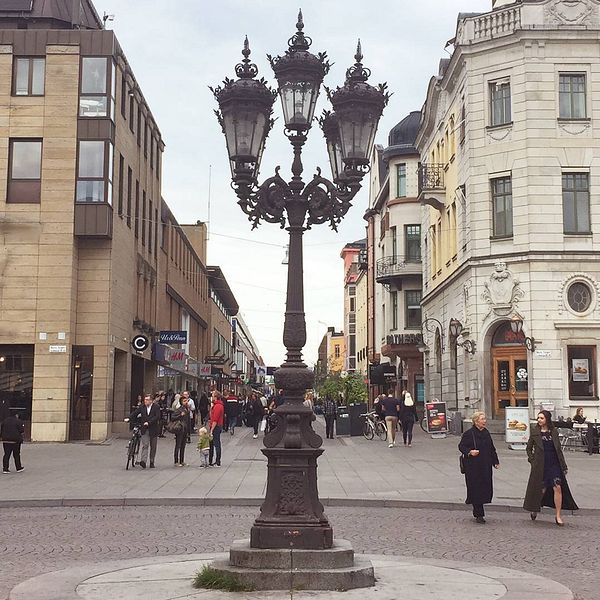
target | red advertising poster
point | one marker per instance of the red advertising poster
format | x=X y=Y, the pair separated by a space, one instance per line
x=436 y=417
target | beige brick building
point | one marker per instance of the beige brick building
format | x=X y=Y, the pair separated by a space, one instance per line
x=90 y=256
x=510 y=157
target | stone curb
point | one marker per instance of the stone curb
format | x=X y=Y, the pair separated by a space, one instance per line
x=249 y=502
x=62 y=585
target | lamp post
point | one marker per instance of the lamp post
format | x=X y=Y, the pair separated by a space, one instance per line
x=429 y=324
x=291 y=514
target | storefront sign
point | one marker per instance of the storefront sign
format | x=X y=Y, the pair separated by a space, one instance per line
x=172 y=337
x=204 y=370
x=516 y=425
x=403 y=339
x=215 y=360
x=436 y=417
x=175 y=358
x=61 y=349
x=140 y=343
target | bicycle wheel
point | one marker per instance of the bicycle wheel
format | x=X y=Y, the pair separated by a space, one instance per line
x=423 y=424
x=130 y=455
x=381 y=430
x=368 y=430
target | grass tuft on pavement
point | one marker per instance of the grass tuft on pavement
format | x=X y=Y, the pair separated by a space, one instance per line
x=209 y=578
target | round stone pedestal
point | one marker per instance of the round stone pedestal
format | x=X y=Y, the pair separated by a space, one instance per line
x=333 y=569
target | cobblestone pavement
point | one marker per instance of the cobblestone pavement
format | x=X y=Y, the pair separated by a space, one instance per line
x=37 y=540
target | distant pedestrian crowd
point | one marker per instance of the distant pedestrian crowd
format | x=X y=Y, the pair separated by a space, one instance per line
x=208 y=414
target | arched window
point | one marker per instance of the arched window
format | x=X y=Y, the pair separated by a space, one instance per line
x=452 y=137
x=504 y=336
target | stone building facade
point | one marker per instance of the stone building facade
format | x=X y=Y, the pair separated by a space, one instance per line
x=510 y=157
x=84 y=229
x=394 y=249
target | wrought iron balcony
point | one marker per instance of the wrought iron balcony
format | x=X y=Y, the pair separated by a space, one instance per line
x=391 y=267
x=431 y=177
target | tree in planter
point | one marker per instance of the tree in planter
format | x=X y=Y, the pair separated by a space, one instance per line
x=348 y=388
x=355 y=390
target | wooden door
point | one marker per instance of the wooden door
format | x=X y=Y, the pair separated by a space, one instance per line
x=511 y=378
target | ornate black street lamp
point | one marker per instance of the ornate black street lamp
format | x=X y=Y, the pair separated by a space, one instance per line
x=291 y=514
x=456 y=329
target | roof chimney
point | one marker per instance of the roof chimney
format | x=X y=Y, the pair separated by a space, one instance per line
x=76 y=14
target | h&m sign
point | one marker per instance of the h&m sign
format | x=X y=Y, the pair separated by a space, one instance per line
x=402 y=339
x=172 y=337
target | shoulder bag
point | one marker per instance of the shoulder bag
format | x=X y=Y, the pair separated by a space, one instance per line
x=461 y=458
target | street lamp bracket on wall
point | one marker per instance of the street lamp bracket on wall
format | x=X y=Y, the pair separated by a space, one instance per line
x=429 y=325
x=456 y=329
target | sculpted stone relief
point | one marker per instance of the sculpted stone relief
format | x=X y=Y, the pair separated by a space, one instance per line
x=571 y=12
x=502 y=291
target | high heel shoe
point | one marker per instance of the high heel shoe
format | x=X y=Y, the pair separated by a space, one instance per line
x=560 y=524
x=533 y=516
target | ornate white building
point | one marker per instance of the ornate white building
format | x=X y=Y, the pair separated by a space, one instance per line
x=510 y=170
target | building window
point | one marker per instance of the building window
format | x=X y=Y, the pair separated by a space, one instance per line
x=143 y=218
x=463 y=121
x=337 y=351
x=500 y=103
x=121 y=183
x=123 y=96
x=572 y=96
x=129 y=193
x=394 y=233
x=28 y=76
x=137 y=208
x=94 y=171
x=502 y=207
x=576 y=202
x=412 y=299
x=25 y=171
x=412 y=241
x=131 y=112
x=582 y=371
x=394 y=298
x=351 y=290
x=353 y=304
x=401 y=181
x=151 y=224
x=579 y=297
x=95 y=86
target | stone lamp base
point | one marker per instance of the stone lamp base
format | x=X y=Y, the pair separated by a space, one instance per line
x=265 y=569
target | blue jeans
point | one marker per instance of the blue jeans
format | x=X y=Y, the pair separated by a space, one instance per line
x=232 y=422
x=215 y=445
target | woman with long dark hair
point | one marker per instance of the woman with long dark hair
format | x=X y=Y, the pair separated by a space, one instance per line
x=547 y=484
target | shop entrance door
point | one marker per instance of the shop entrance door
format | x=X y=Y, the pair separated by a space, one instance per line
x=82 y=370
x=510 y=379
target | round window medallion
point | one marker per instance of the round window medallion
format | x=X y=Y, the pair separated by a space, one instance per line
x=579 y=296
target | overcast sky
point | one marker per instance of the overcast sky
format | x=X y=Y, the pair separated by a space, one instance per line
x=177 y=48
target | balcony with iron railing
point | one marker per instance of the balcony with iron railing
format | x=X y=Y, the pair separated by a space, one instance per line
x=394 y=267
x=432 y=185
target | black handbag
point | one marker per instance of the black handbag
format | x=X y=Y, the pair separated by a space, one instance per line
x=461 y=458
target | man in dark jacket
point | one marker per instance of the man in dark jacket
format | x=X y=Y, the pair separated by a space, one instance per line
x=149 y=416
x=11 y=433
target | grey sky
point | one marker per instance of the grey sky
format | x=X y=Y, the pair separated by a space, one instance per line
x=179 y=47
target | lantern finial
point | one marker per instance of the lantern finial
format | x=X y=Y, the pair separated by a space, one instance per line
x=246 y=69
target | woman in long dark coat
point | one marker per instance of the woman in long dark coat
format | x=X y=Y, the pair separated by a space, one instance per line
x=479 y=456
x=547 y=484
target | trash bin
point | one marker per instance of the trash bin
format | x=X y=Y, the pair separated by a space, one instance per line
x=356 y=422
x=342 y=423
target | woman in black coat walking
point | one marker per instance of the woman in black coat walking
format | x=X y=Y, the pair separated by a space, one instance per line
x=547 y=484
x=479 y=456
x=408 y=417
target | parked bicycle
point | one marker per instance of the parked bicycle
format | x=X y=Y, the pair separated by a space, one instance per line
x=133 y=447
x=374 y=426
